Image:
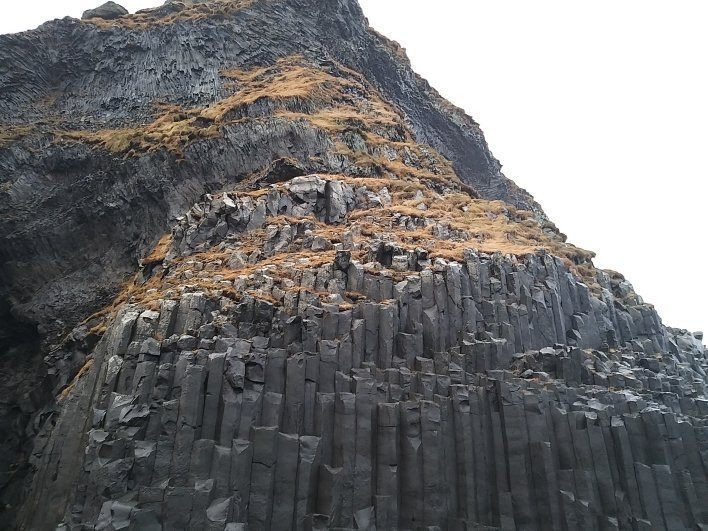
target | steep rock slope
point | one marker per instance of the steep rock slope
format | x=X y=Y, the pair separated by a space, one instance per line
x=63 y=77
x=354 y=321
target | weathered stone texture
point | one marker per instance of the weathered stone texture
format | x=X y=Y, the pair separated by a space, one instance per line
x=318 y=342
x=368 y=417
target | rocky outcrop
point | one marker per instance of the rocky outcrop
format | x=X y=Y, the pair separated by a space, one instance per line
x=266 y=376
x=75 y=88
x=338 y=313
x=107 y=11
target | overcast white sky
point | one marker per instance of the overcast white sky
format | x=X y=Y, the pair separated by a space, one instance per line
x=598 y=108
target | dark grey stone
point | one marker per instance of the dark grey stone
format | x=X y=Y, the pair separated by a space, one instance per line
x=108 y=11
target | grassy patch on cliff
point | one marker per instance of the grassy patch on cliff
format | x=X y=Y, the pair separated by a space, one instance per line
x=159 y=253
x=187 y=11
x=290 y=88
x=11 y=133
x=468 y=223
x=432 y=208
x=171 y=130
x=488 y=226
x=366 y=131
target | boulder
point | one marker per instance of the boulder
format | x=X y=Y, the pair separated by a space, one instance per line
x=107 y=11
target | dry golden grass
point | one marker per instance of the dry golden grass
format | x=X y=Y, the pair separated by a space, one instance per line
x=489 y=226
x=338 y=119
x=11 y=133
x=292 y=77
x=159 y=252
x=171 y=130
x=166 y=284
x=339 y=106
x=148 y=19
x=290 y=81
x=435 y=169
x=279 y=262
x=336 y=104
x=69 y=388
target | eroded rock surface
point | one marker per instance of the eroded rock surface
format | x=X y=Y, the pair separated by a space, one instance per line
x=337 y=313
x=276 y=367
x=60 y=202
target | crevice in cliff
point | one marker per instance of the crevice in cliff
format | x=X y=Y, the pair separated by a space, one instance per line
x=21 y=396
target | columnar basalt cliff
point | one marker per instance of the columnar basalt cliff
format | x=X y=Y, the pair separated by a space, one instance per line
x=257 y=274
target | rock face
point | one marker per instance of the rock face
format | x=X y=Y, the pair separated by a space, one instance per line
x=339 y=313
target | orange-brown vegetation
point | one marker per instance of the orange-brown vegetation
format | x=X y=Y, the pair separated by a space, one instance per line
x=291 y=81
x=10 y=133
x=375 y=140
x=290 y=78
x=160 y=251
x=150 y=18
x=69 y=388
x=489 y=226
x=171 y=130
x=334 y=99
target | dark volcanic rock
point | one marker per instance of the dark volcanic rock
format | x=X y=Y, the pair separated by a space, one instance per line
x=77 y=87
x=460 y=398
x=108 y=11
x=323 y=317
